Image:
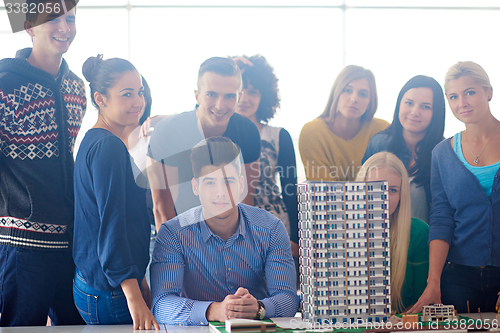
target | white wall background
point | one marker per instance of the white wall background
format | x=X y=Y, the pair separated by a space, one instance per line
x=307 y=41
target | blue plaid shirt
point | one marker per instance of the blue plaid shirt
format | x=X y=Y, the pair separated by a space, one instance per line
x=192 y=267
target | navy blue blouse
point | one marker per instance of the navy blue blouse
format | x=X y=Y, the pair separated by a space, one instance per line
x=112 y=229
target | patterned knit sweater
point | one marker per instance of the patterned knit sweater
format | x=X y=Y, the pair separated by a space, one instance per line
x=39 y=120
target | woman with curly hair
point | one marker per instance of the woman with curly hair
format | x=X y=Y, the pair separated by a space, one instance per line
x=258 y=102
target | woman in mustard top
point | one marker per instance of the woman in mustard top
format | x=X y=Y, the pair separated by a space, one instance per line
x=332 y=145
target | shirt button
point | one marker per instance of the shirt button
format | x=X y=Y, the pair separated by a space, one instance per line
x=229 y=268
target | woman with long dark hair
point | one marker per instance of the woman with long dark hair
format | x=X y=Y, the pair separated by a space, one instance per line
x=417 y=127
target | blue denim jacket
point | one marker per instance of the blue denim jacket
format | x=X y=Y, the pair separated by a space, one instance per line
x=462 y=214
x=380 y=142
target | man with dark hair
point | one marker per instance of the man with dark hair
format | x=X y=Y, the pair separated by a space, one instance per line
x=170 y=173
x=52 y=8
x=221 y=260
x=217 y=150
x=42 y=104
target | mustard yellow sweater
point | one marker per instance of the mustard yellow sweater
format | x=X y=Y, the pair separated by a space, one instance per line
x=328 y=157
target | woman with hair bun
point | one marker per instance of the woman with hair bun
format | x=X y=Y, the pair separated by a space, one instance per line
x=332 y=145
x=137 y=140
x=464 y=259
x=112 y=228
x=417 y=127
x=409 y=247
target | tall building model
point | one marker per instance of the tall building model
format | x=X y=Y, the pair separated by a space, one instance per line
x=344 y=251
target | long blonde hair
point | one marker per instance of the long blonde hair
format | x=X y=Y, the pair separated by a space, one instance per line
x=346 y=76
x=400 y=226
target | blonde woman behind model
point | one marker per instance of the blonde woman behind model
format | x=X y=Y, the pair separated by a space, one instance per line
x=408 y=236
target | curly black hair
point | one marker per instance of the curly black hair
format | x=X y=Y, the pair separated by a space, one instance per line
x=261 y=76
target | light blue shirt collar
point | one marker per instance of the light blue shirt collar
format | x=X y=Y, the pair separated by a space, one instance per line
x=206 y=232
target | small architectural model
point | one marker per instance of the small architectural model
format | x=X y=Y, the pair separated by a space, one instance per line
x=410 y=318
x=249 y=326
x=344 y=251
x=438 y=313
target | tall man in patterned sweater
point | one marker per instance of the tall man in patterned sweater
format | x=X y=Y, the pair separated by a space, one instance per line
x=42 y=104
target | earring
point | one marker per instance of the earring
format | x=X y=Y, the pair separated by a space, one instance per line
x=103 y=105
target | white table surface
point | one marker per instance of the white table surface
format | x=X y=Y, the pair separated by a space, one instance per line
x=163 y=328
x=101 y=329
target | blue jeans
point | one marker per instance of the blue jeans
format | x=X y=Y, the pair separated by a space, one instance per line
x=151 y=248
x=100 y=307
x=477 y=285
x=36 y=283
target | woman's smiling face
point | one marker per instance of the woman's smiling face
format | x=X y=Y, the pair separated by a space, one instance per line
x=394 y=189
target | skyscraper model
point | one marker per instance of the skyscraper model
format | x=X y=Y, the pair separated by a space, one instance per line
x=344 y=251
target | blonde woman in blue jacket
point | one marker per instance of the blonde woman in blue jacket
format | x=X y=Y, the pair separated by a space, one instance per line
x=464 y=259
